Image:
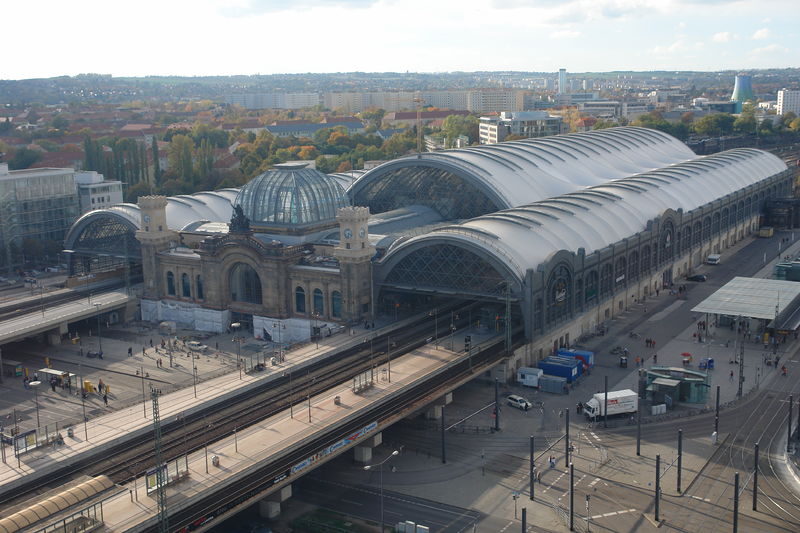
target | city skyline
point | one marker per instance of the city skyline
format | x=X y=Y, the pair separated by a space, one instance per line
x=211 y=37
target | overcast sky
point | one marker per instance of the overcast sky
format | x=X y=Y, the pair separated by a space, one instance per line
x=219 y=37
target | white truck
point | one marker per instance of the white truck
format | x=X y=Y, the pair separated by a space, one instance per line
x=619 y=402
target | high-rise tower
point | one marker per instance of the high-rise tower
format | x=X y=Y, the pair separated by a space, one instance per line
x=562 y=81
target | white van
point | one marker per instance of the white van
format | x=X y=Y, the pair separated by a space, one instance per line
x=713 y=259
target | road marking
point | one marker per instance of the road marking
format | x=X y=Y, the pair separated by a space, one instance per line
x=701 y=499
x=556 y=480
x=507 y=526
x=351 y=502
x=595 y=435
x=593 y=483
x=613 y=513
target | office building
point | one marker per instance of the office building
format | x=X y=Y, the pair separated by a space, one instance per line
x=94 y=192
x=562 y=81
x=788 y=101
x=527 y=124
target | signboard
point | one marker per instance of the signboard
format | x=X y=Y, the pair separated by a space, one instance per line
x=350 y=439
x=151 y=478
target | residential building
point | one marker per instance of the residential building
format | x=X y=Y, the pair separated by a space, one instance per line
x=39 y=204
x=788 y=101
x=562 y=81
x=94 y=192
x=528 y=124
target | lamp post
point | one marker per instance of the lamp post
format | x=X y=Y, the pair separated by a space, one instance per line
x=35 y=386
x=314 y=330
x=194 y=372
x=380 y=467
x=435 y=315
x=99 y=338
x=236 y=326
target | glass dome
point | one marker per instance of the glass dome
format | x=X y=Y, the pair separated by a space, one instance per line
x=291 y=195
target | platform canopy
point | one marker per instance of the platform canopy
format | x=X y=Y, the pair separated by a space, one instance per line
x=752 y=297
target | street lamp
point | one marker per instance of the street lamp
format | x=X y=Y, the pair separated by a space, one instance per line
x=35 y=386
x=435 y=315
x=380 y=467
x=236 y=339
x=315 y=330
x=194 y=372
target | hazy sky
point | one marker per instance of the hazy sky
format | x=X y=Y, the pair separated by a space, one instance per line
x=215 y=37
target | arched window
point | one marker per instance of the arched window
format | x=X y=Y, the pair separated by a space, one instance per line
x=199 y=287
x=336 y=304
x=633 y=266
x=715 y=223
x=646 y=259
x=724 y=221
x=707 y=229
x=591 y=287
x=186 y=286
x=579 y=294
x=748 y=207
x=245 y=284
x=299 y=300
x=740 y=212
x=687 y=238
x=559 y=294
x=667 y=247
x=619 y=273
x=606 y=275
x=170 y=283
x=319 y=302
x=697 y=234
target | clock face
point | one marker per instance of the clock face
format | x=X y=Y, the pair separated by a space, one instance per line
x=362 y=233
x=348 y=233
x=147 y=218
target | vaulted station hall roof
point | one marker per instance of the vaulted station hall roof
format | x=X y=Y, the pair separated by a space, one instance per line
x=474 y=181
x=593 y=218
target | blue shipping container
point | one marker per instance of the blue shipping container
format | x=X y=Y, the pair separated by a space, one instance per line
x=568 y=361
x=556 y=369
x=584 y=355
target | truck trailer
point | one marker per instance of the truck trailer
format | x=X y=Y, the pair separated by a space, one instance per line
x=619 y=402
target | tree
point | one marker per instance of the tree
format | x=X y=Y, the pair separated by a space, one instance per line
x=24 y=158
x=716 y=124
x=156 y=162
x=745 y=123
x=795 y=125
x=455 y=126
x=180 y=154
x=59 y=123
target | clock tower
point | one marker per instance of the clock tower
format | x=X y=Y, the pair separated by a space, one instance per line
x=155 y=237
x=355 y=263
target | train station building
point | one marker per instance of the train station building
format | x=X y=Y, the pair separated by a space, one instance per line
x=557 y=233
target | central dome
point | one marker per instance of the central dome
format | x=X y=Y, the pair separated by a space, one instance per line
x=290 y=194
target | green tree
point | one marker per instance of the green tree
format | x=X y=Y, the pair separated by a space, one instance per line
x=24 y=158
x=180 y=157
x=59 y=122
x=455 y=126
x=716 y=124
x=156 y=162
x=745 y=123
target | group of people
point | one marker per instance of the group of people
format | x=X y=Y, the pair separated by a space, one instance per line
x=650 y=343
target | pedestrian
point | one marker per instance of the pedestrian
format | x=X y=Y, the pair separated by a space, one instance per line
x=656 y=292
x=130 y=351
x=151 y=343
x=655 y=358
x=731 y=376
x=105 y=399
x=552 y=462
x=216 y=345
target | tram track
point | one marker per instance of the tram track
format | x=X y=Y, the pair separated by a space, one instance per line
x=188 y=433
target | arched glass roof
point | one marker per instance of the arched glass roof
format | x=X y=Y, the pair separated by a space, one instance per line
x=182 y=211
x=291 y=195
x=473 y=181
x=525 y=236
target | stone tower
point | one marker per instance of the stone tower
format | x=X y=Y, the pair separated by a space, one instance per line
x=154 y=237
x=355 y=263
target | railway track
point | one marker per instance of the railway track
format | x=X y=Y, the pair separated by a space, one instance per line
x=191 y=432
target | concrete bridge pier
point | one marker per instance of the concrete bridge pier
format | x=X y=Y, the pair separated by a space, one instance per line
x=270 y=507
x=55 y=335
x=363 y=452
x=435 y=410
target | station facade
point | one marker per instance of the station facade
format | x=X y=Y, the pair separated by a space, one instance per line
x=564 y=231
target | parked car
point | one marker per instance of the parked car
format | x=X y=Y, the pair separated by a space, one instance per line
x=196 y=346
x=697 y=277
x=519 y=402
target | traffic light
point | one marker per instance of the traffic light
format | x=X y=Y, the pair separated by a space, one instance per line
x=467 y=343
